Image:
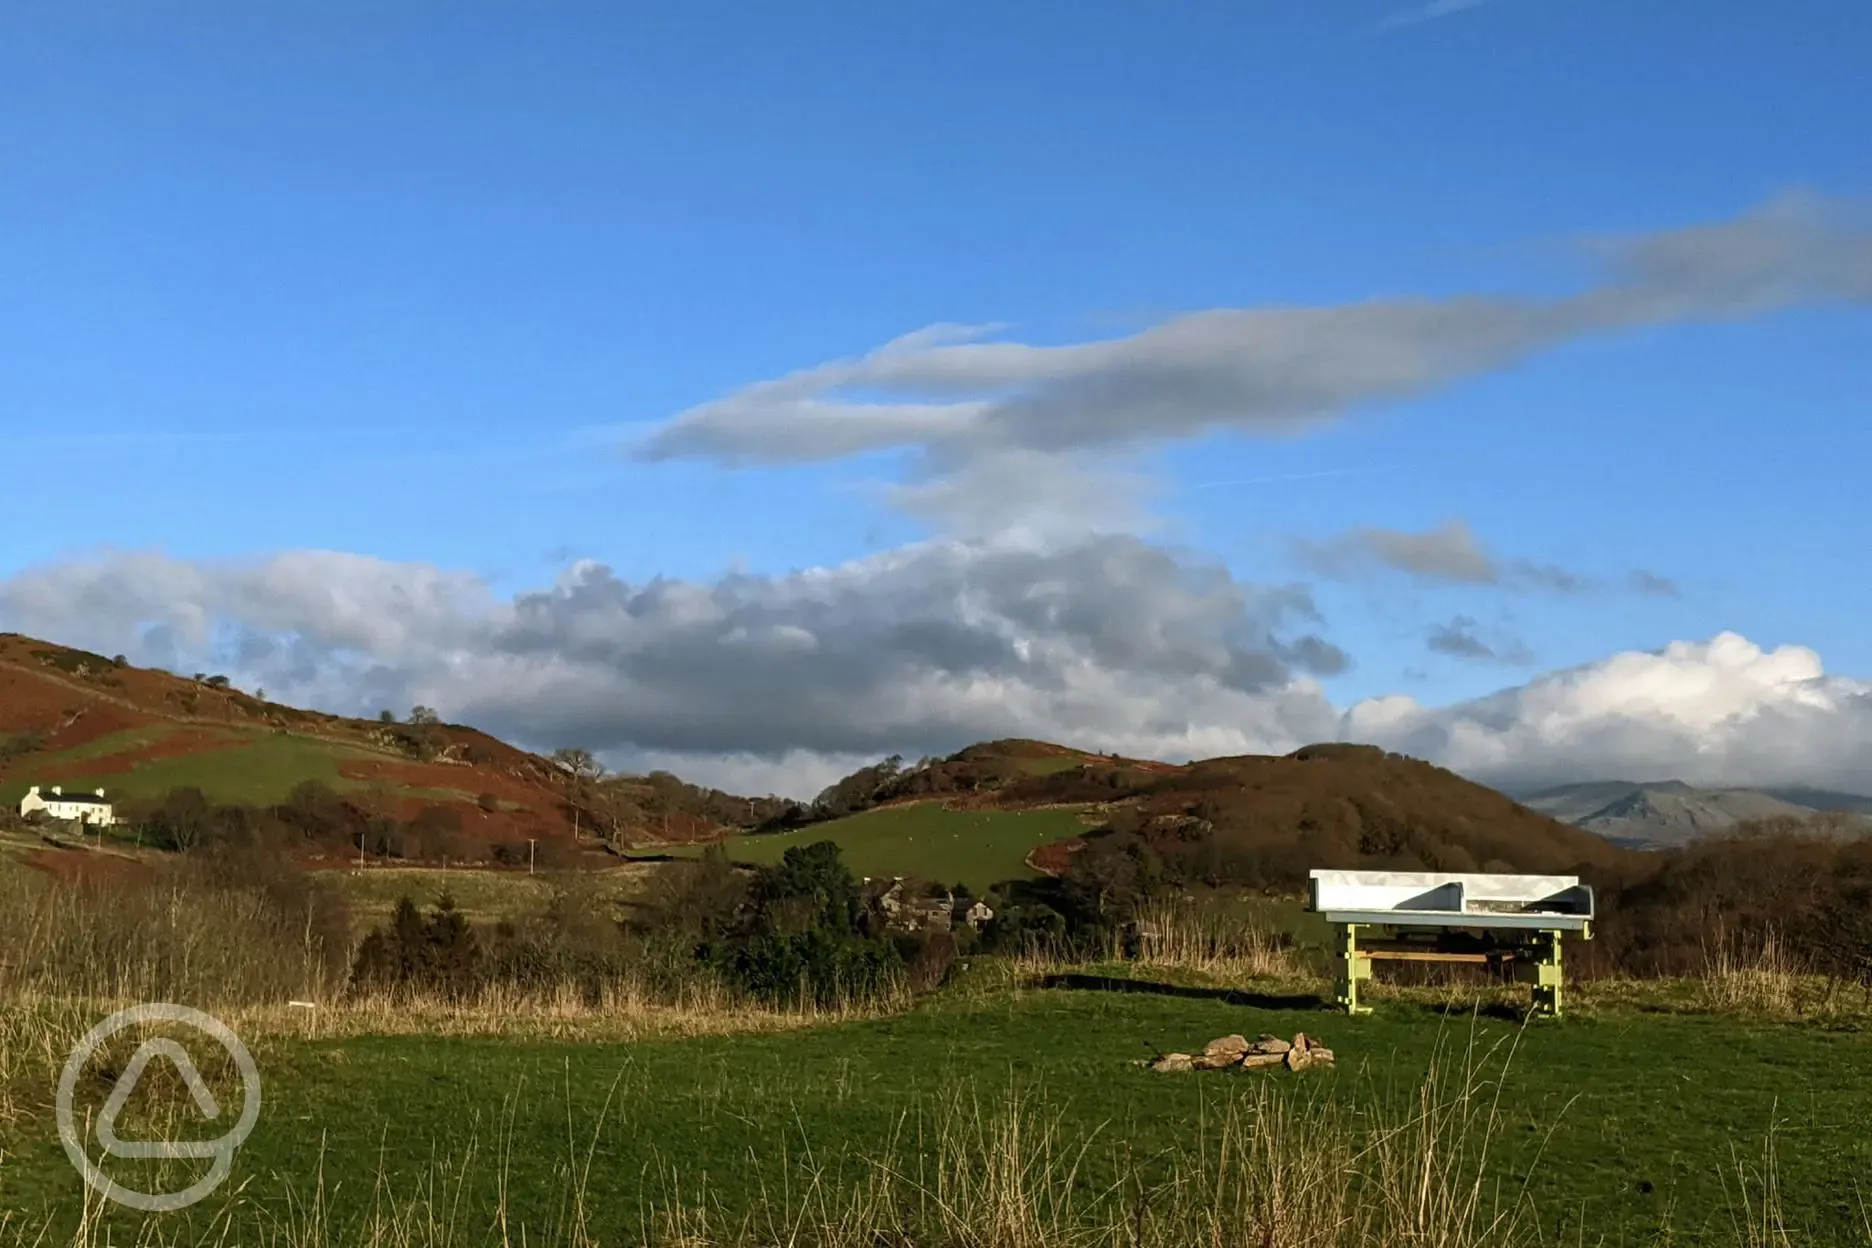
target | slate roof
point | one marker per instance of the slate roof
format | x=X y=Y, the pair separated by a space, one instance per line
x=81 y=799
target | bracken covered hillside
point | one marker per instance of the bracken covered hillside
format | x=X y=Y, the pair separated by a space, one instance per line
x=1254 y=818
x=87 y=721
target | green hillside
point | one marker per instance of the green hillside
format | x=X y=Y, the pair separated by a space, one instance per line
x=252 y=767
x=925 y=840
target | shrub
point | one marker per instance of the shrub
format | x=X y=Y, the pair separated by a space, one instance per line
x=411 y=954
x=818 y=966
x=929 y=960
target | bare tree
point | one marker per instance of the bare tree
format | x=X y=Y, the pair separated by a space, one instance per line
x=582 y=771
x=578 y=762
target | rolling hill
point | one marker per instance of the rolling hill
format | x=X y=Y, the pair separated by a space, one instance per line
x=1258 y=819
x=998 y=808
x=918 y=839
x=84 y=721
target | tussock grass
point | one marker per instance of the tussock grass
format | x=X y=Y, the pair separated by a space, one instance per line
x=1214 y=939
x=1757 y=976
x=617 y=1009
x=170 y=938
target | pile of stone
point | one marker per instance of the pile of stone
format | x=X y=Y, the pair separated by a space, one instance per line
x=1227 y=1052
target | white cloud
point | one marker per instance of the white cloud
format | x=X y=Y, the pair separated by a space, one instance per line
x=756 y=683
x=1716 y=712
x=1430 y=12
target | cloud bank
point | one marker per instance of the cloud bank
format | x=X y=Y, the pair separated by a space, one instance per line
x=1716 y=712
x=782 y=683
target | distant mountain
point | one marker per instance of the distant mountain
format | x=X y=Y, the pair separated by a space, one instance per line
x=1670 y=812
x=1824 y=799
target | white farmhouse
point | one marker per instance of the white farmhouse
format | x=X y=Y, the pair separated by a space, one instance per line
x=58 y=804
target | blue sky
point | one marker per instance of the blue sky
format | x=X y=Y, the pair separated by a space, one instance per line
x=408 y=280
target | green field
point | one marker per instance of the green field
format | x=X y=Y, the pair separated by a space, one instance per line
x=1607 y=1130
x=924 y=840
x=254 y=767
x=481 y=892
x=1051 y=765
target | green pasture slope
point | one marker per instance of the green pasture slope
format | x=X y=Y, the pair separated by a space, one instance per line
x=923 y=840
x=483 y=893
x=1626 y=1128
x=252 y=766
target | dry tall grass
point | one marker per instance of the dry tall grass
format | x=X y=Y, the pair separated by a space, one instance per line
x=1213 y=938
x=621 y=1009
x=175 y=937
x=1203 y=936
x=1759 y=975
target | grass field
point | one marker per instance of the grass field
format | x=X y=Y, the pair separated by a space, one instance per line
x=1626 y=1127
x=1051 y=765
x=924 y=840
x=262 y=769
x=481 y=892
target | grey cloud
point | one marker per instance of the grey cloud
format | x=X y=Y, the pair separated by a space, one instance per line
x=1449 y=554
x=1651 y=583
x=1112 y=642
x=1525 y=572
x=918 y=649
x=1026 y=495
x=1460 y=639
x=952 y=391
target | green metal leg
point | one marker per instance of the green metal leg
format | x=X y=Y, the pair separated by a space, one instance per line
x=1352 y=968
x=1546 y=975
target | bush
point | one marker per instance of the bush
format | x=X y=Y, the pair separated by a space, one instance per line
x=794 y=934
x=818 y=966
x=411 y=954
x=929 y=960
x=1804 y=887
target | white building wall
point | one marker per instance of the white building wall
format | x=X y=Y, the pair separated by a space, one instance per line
x=55 y=807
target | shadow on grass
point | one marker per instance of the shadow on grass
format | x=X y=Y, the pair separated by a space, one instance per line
x=1229 y=996
x=1489 y=1009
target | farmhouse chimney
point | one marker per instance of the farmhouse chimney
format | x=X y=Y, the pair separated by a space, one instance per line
x=100 y=792
x=57 y=791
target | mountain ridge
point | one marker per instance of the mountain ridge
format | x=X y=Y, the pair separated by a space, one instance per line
x=1651 y=814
